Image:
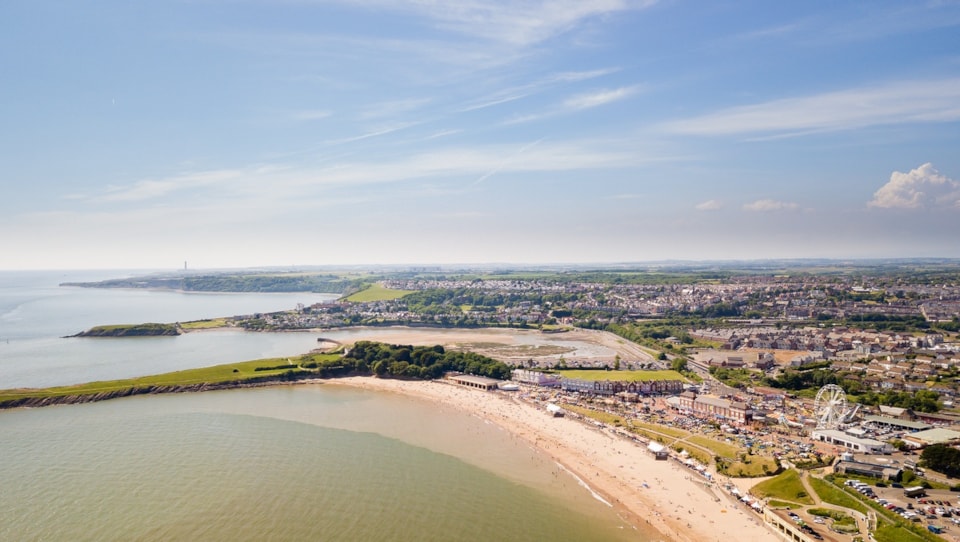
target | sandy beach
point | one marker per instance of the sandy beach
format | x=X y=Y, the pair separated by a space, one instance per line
x=663 y=495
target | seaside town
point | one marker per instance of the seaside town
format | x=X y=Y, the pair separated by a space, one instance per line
x=823 y=405
x=816 y=405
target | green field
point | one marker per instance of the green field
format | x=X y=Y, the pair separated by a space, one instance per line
x=627 y=376
x=753 y=466
x=786 y=486
x=834 y=495
x=229 y=372
x=212 y=323
x=376 y=293
x=719 y=448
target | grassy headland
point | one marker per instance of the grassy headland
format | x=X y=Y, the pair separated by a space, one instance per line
x=218 y=375
x=131 y=330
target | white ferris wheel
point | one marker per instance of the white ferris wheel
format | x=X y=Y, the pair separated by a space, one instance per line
x=830 y=406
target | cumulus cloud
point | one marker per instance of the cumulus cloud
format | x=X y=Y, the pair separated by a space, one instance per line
x=709 y=205
x=767 y=205
x=921 y=188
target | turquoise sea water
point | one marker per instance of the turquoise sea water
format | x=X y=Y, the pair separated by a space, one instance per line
x=317 y=462
x=266 y=465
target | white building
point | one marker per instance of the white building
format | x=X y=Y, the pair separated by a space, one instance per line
x=852 y=443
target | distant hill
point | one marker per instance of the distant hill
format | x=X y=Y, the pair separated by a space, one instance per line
x=233 y=282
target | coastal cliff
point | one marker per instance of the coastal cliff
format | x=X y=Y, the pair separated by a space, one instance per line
x=132 y=330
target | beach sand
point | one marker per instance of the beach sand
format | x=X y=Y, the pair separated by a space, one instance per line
x=664 y=495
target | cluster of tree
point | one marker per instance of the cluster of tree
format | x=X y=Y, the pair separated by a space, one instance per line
x=734 y=377
x=643 y=331
x=418 y=361
x=439 y=300
x=717 y=310
x=791 y=379
x=942 y=458
x=888 y=322
x=267 y=283
x=920 y=401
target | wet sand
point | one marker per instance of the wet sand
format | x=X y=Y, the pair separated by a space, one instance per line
x=664 y=495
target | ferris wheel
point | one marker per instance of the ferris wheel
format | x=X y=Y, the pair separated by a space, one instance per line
x=830 y=406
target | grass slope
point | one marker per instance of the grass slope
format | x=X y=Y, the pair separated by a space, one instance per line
x=376 y=293
x=786 y=486
x=217 y=374
x=834 y=495
x=212 y=323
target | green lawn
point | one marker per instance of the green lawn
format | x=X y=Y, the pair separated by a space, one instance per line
x=212 y=323
x=753 y=466
x=892 y=533
x=834 y=495
x=671 y=431
x=785 y=487
x=628 y=376
x=376 y=293
x=603 y=417
x=228 y=372
x=719 y=448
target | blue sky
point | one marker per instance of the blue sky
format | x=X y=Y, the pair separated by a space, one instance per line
x=246 y=133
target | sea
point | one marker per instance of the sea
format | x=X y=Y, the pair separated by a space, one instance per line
x=307 y=462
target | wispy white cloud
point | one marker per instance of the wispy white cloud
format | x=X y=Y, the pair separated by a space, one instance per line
x=518 y=92
x=578 y=102
x=393 y=107
x=920 y=188
x=598 y=98
x=149 y=189
x=310 y=114
x=289 y=184
x=770 y=31
x=709 y=205
x=443 y=133
x=377 y=132
x=519 y=22
x=769 y=205
x=896 y=103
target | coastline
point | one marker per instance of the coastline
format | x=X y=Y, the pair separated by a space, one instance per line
x=651 y=495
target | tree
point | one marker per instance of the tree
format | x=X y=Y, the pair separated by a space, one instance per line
x=678 y=364
x=662 y=356
x=942 y=458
